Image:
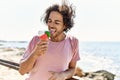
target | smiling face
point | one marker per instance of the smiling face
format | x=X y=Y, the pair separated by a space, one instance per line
x=56 y=25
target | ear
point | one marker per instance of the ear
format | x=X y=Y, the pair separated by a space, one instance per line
x=65 y=27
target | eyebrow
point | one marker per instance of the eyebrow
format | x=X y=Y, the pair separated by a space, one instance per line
x=58 y=21
x=55 y=20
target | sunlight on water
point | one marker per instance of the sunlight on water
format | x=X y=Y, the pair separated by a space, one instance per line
x=100 y=56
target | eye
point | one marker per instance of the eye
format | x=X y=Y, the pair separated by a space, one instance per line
x=57 y=23
x=49 y=21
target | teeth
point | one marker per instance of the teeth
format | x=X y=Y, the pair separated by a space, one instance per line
x=52 y=31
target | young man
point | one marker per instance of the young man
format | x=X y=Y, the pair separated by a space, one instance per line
x=55 y=58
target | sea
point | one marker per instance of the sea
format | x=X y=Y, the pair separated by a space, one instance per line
x=94 y=55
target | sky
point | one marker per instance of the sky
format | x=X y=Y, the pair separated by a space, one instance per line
x=96 y=20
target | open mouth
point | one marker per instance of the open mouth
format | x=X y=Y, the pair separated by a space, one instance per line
x=52 y=31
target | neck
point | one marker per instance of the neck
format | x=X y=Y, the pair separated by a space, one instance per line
x=59 y=38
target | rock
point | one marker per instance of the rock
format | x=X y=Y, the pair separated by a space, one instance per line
x=100 y=75
x=97 y=75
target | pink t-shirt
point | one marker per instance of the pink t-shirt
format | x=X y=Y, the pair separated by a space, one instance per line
x=57 y=57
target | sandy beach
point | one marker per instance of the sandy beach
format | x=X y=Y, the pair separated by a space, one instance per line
x=11 y=54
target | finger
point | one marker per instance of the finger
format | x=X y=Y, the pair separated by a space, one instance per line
x=50 y=78
x=42 y=46
x=52 y=72
x=44 y=43
x=41 y=42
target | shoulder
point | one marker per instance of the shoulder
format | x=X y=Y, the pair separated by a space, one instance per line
x=72 y=38
x=34 y=39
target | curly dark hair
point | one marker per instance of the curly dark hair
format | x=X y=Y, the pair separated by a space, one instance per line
x=66 y=11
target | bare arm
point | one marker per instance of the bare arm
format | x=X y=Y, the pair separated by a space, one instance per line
x=70 y=72
x=28 y=64
x=65 y=74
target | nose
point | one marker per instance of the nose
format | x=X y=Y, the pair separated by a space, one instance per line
x=51 y=25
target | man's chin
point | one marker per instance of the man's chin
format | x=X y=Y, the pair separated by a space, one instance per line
x=52 y=36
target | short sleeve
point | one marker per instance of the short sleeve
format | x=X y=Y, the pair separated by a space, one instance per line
x=75 y=49
x=30 y=48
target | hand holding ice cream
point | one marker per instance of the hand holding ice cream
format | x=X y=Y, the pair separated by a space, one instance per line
x=42 y=45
